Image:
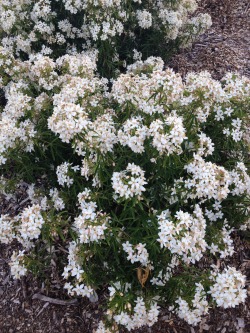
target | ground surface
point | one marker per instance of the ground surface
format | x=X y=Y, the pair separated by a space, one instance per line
x=225 y=47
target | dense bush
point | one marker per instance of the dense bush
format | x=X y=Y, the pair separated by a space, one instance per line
x=119 y=30
x=143 y=181
x=138 y=178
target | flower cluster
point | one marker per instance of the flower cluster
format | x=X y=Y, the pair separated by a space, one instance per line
x=17 y=266
x=142 y=314
x=163 y=276
x=57 y=201
x=168 y=135
x=90 y=225
x=62 y=172
x=74 y=270
x=140 y=317
x=133 y=134
x=185 y=236
x=225 y=244
x=16 y=136
x=130 y=182
x=137 y=88
x=31 y=222
x=208 y=180
x=198 y=309
x=240 y=180
x=227 y=290
x=137 y=253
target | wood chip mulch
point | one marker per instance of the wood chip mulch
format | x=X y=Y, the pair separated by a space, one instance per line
x=225 y=47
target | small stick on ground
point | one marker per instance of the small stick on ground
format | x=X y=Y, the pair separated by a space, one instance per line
x=41 y=297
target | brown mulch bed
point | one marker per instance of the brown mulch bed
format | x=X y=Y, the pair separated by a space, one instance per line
x=225 y=47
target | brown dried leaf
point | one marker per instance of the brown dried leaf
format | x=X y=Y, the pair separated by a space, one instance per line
x=142 y=275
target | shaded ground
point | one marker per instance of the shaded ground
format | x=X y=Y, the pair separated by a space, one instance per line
x=225 y=47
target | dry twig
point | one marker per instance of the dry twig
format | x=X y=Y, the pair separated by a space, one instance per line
x=41 y=297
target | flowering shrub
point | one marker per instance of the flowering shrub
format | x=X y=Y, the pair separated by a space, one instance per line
x=141 y=180
x=118 y=29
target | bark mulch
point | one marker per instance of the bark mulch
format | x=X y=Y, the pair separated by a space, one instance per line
x=225 y=47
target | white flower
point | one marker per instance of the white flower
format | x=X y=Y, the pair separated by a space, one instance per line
x=168 y=135
x=240 y=180
x=206 y=146
x=140 y=317
x=144 y=18
x=227 y=290
x=31 y=222
x=137 y=253
x=185 y=236
x=62 y=174
x=199 y=307
x=101 y=328
x=16 y=266
x=58 y=202
x=225 y=240
x=133 y=134
x=208 y=180
x=91 y=224
x=130 y=182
